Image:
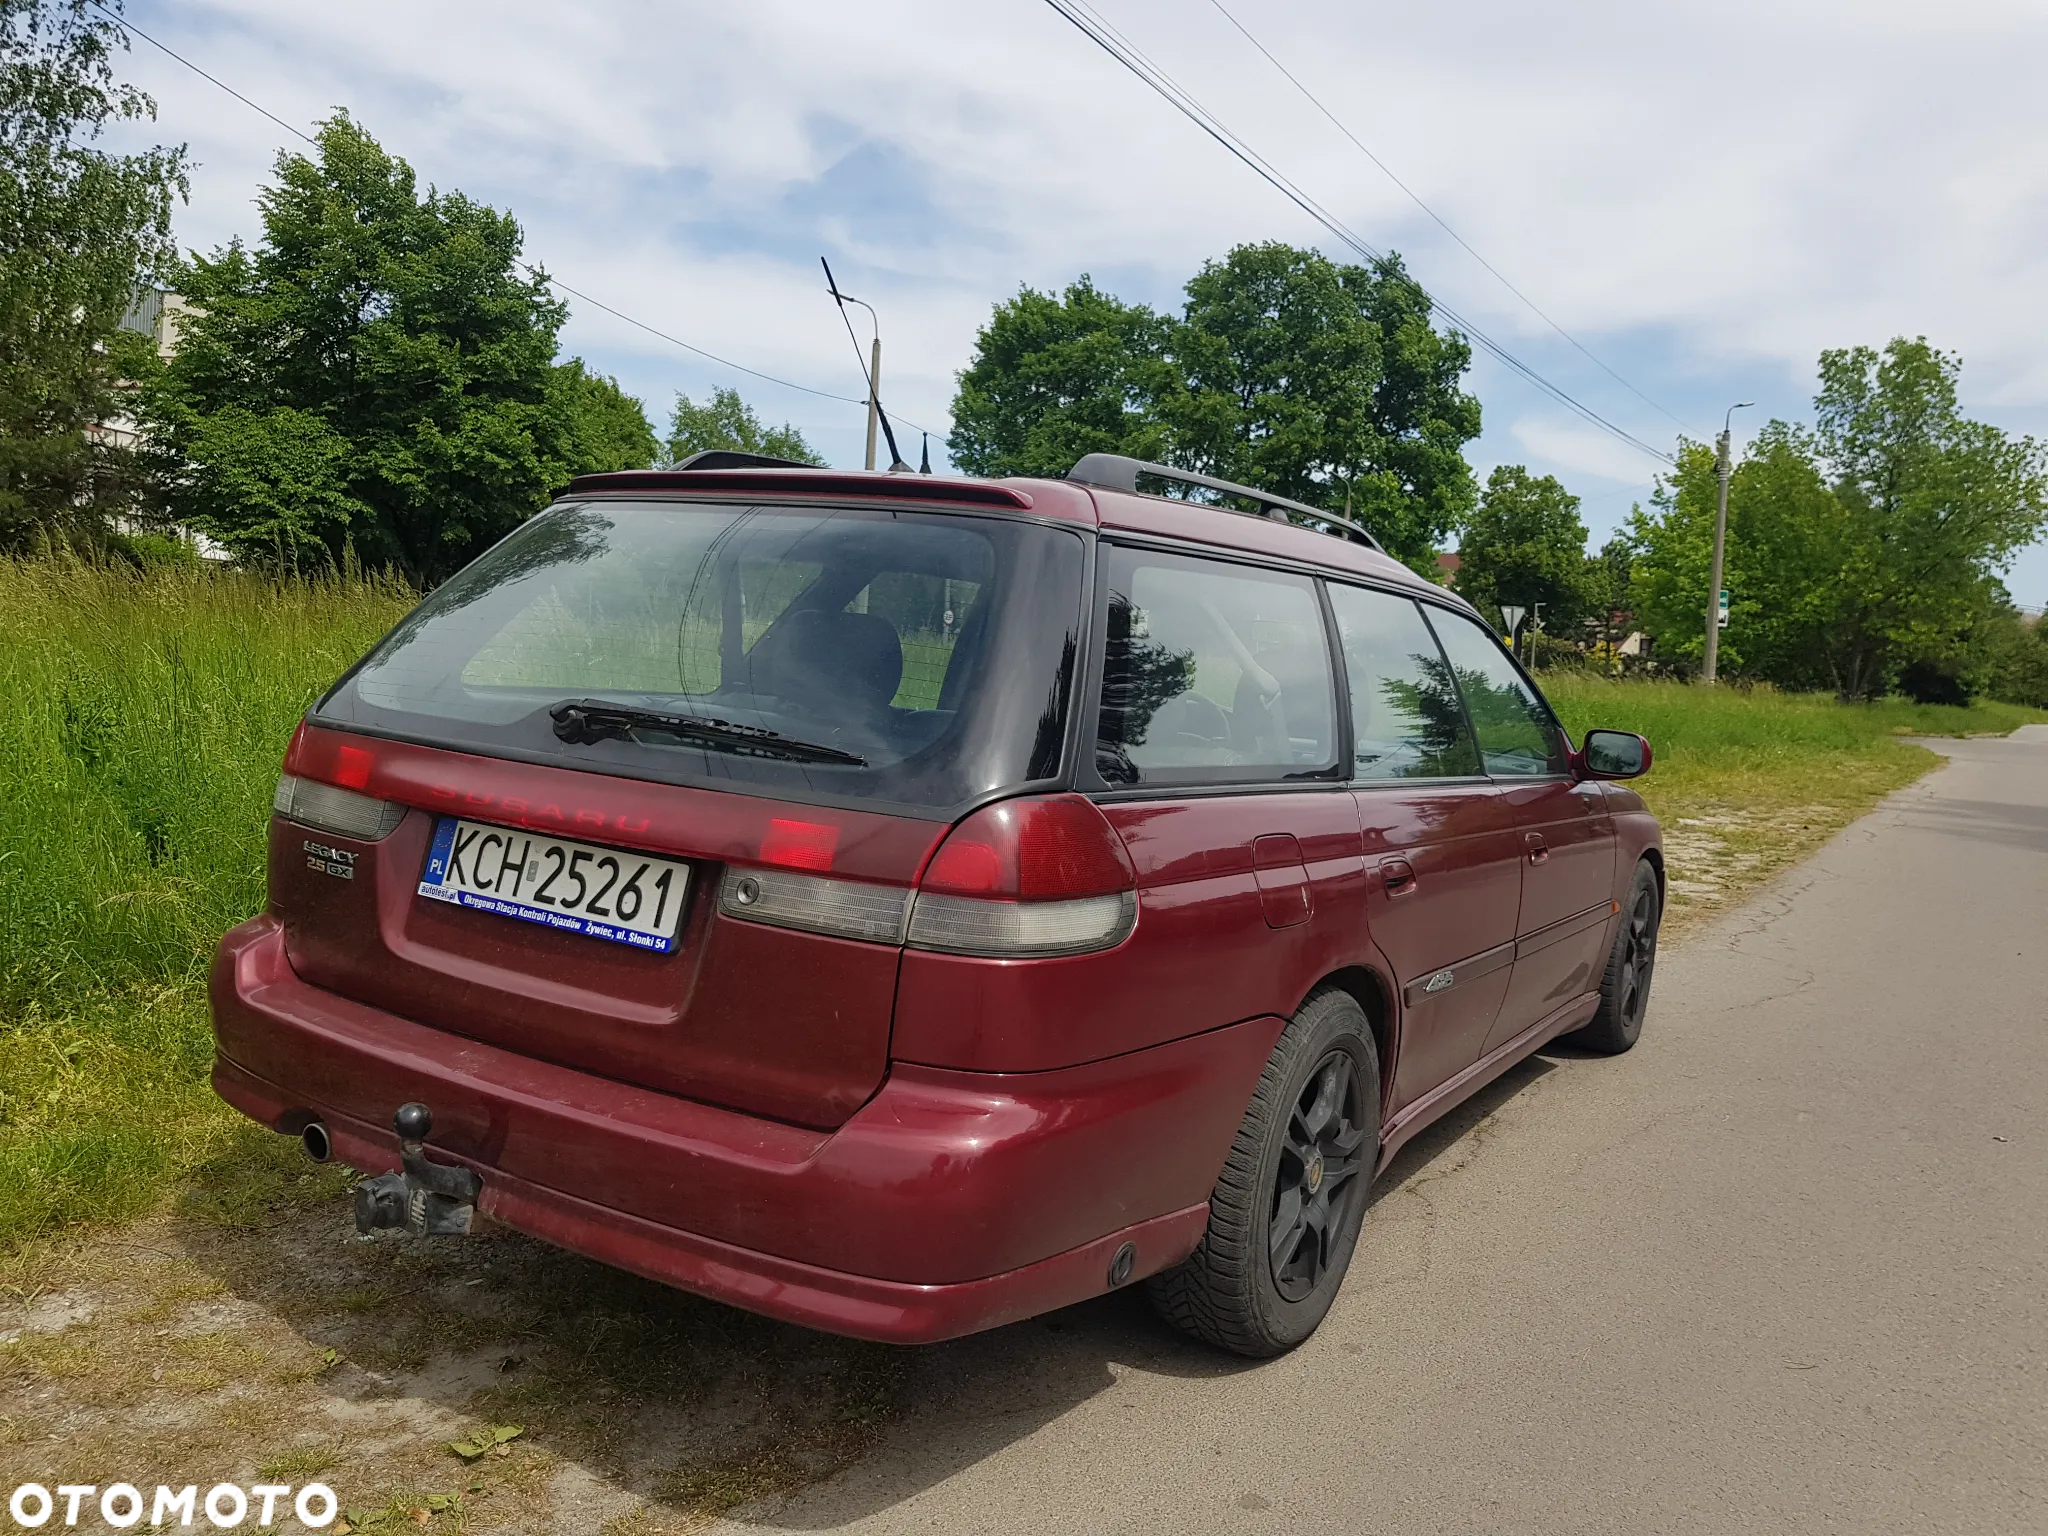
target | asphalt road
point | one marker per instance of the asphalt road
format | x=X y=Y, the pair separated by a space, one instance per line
x=1782 y=1268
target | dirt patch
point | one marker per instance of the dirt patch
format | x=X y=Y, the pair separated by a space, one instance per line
x=285 y=1349
x=1722 y=853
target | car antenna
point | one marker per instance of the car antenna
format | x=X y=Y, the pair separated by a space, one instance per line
x=896 y=464
x=925 y=460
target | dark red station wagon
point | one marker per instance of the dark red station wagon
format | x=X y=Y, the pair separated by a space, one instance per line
x=902 y=905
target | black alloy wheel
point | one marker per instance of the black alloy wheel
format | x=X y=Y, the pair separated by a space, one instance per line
x=1631 y=961
x=1317 y=1178
x=1285 y=1212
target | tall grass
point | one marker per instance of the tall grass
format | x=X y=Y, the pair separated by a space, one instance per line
x=1761 y=749
x=143 y=717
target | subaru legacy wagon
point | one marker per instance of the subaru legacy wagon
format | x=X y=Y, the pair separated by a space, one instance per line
x=902 y=905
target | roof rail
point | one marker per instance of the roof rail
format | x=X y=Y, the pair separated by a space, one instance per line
x=1115 y=472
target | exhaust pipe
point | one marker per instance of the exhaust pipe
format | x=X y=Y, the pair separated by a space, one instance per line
x=319 y=1146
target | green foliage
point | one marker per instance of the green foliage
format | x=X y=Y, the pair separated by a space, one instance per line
x=1328 y=384
x=1857 y=550
x=1318 y=381
x=1054 y=379
x=143 y=717
x=377 y=376
x=727 y=421
x=80 y=231
x=1524 y=544
x=608 y=428
x=2016 y=659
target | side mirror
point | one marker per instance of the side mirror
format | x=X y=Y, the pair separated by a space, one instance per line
x=1613 y=755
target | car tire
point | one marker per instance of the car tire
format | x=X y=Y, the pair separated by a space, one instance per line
x=1296 y=1180
x=1631 y=960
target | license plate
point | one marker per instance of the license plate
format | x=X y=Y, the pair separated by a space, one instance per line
x=606 y=893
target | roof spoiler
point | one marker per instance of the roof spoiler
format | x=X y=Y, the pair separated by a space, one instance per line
x=733 y=458
x=807 y=481
x=1115 y=472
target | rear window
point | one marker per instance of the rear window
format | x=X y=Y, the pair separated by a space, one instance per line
x=913 y=658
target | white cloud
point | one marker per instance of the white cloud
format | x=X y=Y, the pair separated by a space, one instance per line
x=1705 y=194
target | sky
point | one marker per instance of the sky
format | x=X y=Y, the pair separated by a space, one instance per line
x=1700 y=196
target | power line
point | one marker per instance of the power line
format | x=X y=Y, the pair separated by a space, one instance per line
x=1412 y=196
x=536 y=272
x=1105 y=36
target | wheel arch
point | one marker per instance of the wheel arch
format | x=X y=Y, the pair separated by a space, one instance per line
x=1654 y=857
x=1370 y=991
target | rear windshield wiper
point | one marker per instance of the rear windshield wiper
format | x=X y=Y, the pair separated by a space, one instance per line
x=582 y=721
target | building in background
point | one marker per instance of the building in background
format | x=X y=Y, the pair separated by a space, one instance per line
x=158 y=314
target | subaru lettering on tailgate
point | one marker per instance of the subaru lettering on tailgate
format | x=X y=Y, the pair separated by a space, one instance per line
x=605 y=893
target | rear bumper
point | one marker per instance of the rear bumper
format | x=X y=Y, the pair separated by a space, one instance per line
x=951 y=1202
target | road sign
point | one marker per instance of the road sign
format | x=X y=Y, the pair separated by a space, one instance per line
x=1512 y=617
x=1724 y=608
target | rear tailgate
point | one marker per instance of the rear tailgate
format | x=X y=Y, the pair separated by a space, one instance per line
x=769 y=1020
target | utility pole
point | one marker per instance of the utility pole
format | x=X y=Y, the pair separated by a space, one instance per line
x=1722 y=470
x=874 y=395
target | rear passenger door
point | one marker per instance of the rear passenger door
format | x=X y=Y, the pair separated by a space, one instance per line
x=1442 y=847
x=1566 y=833
x=1217 y=758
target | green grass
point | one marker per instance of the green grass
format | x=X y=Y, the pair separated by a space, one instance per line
x=1748 y=781
x=143 y=717
x=1758 y=746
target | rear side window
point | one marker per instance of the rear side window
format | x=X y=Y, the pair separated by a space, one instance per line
x=918 y=659
x=1407 y=721
x=1517 y=737
x=1212 y=673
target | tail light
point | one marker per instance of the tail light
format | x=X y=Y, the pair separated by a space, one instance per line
x=1041 y=876
x=321 y=789
x=850 y=909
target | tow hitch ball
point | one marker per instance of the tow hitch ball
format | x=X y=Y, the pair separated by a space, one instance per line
x=427 y=1199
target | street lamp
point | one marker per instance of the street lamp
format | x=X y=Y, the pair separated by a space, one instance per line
x=1722 y=472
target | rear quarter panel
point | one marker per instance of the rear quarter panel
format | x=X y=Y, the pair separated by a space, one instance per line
x=1202 y=955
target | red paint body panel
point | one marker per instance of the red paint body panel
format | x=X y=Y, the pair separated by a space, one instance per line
x=1197 y=895
x=941 y=1177
x=888 y=1311
x=1568 y=888
x=1464 y=849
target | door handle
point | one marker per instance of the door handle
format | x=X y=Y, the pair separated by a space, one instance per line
x=1539 y=851
x=1398 y=875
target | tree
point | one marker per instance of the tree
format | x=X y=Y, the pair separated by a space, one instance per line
x=1932 y=503
x=80 y=231
x=727 y=421
x=1328 y=384
x=1610 y=581
x=607 y=426
x=1859 y=552
x=2016 y=656
x=1321 y=382
x=1524 y=544
x=378 y=374
x=1056 y=378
